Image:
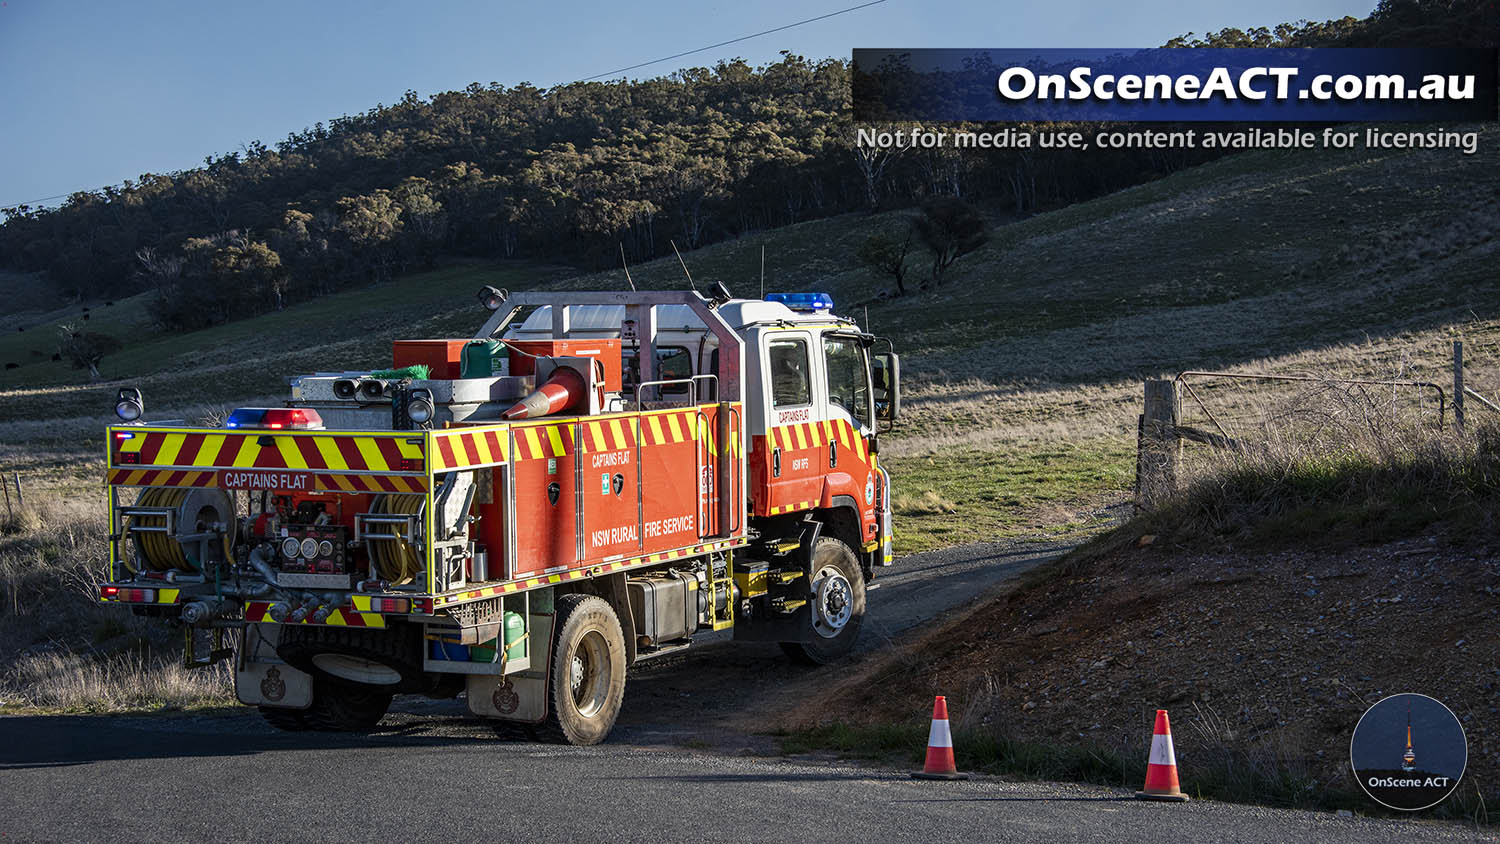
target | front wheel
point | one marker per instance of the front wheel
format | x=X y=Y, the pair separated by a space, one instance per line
x=836 y=606
x=587 y=681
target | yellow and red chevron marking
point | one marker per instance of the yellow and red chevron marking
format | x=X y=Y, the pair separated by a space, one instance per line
x=371 y=483
x=458 y=448
x=536 y=441
x=300 y=450
x=661 y=427
x=336 y=483
x=793 y=508
x=161 y=477
x=609 y=433
x=587 y=571
x=260 y=611
x=818 y=434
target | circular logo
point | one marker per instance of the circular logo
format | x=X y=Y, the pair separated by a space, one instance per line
x=1408 y=752
x=505 y=698
x=273 y=687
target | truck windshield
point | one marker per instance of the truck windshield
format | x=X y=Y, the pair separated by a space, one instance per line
x=848 y=376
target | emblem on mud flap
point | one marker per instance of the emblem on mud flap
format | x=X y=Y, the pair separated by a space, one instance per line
x=505 y=698
x=273 y=687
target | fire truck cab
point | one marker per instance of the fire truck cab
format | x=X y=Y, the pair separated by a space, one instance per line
x=588 y=481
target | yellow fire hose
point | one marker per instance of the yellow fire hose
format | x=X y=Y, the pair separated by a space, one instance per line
x=396 y=560
x=161 y=550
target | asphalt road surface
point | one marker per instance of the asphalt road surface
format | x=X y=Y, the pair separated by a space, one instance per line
x=680 y=766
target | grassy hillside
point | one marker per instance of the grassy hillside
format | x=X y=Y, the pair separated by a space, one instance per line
x=1023 y=368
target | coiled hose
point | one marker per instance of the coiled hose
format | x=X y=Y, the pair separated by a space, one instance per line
x=396 y=560
x=160 y=550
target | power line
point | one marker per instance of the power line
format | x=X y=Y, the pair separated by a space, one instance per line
x=34 y=201
x=733 y=40
x=613 y=72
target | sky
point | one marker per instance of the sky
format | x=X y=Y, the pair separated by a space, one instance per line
x=99 y=92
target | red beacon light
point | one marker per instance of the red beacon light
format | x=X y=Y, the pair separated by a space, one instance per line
x=275 y=419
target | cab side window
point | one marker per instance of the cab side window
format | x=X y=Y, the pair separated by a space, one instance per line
x=848 y=376
x=790 y=385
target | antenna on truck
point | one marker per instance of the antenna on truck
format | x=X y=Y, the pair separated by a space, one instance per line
x=626 y=266
x=691 y=284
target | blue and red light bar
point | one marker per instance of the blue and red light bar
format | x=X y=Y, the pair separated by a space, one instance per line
x=275 y=419
x=805 y=302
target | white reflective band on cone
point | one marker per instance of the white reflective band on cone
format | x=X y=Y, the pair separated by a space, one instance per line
x=939 y=736
x=1161 y=751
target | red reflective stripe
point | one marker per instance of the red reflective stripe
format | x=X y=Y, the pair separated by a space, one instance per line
x=384 y=482
x=229 y=450
x=471 y=448
x=445 y=449
x=150 y=445
x=493 y=440
x=174 y=479
x=351 y=454
x=310 y=454
x=269 y=457
x=188 y=454
x=391 y=452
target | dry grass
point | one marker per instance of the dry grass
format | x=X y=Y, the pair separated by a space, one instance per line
x=59 y=648
x=122 y=682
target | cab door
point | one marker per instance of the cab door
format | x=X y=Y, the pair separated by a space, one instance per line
x=849 y=423
x=788 y=457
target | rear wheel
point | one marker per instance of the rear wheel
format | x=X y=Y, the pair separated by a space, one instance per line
x=587 y=682
x=346 y=707
x=836 y=606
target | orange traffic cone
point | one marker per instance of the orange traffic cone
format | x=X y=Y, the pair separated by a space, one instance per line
x=1161 y=769
x=940 y=765
x=564 y=389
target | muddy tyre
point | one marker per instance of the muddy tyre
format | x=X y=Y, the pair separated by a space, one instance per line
x=586 y=682
x=346 y=707
x=836 y=608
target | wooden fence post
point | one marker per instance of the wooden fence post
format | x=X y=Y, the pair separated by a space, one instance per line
x=1159 y=447
x=1458 y=385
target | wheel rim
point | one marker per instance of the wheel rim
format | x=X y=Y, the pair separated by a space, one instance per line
x=833 y=602
x=589 y=674
x=357 y=670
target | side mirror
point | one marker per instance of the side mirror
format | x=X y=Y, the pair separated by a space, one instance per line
x=886 y=374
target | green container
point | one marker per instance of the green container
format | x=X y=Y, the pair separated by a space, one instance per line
x=481 y=359
x=515 y=641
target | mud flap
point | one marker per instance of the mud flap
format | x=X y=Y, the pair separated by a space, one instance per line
x=262 y=679
x=519 y=697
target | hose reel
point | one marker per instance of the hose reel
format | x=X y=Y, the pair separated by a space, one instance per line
x=180 y=529
x=386 y=534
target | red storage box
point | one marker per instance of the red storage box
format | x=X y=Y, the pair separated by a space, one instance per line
x=607 y=352
x=442 y=357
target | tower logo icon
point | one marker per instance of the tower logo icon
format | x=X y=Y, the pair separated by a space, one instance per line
x=1390 y=771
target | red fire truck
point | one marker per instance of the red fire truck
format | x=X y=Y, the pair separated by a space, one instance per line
x=589 y=481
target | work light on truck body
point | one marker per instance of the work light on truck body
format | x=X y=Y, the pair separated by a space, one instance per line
x=129 y=405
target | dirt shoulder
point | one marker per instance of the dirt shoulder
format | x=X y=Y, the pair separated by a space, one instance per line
x=1276 y=654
